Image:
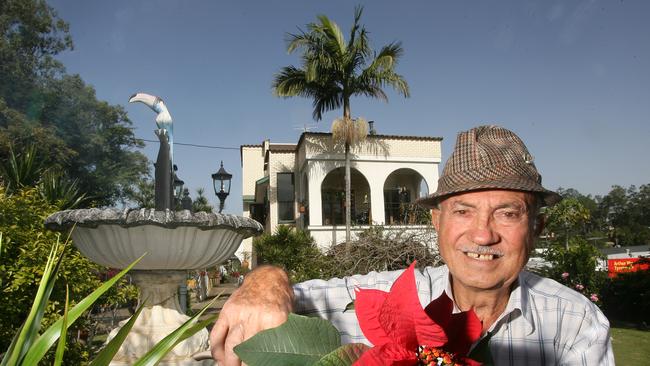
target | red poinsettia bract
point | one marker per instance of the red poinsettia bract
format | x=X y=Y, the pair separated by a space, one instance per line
x=395 y=323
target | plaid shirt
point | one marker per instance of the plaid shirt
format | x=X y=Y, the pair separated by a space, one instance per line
x=544 y=323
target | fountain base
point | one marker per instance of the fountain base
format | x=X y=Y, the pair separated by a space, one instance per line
x=161 y=316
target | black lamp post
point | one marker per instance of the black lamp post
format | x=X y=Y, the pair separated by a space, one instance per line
x=177 y=188
x=221 y=181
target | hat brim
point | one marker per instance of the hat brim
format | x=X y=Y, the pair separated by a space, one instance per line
x=549 y=198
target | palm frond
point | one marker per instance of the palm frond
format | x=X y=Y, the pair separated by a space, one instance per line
x=326 y=102
x=333 y=34
x=332 y=70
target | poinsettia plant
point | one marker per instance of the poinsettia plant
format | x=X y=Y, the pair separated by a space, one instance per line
x=403 y=333
x=400 y=330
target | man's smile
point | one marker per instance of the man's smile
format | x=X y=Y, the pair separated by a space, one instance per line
x=482 y=257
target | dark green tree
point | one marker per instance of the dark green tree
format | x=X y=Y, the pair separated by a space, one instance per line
x=566 y=220
x=141 y=194
x=333 y=71
x=31 y=34
x=87 y=140
x=201 y=203
x=627 y=214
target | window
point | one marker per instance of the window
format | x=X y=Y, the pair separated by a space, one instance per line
x=334 y=207
x=395 y=204
x=285 y=197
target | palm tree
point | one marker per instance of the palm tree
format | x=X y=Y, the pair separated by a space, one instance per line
x=333 y=71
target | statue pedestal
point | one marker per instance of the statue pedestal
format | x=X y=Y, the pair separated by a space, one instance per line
x=161 y=316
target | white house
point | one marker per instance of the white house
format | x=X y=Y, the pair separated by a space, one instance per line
x=302 y=184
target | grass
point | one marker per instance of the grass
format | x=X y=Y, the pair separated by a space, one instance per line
x=631 y=346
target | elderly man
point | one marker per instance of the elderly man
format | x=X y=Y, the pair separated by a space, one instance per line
x=486 y=213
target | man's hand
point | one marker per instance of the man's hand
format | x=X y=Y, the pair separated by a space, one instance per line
x=264 y=301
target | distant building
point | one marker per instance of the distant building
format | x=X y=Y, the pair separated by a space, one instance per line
x=619 y=254
x=302 y=184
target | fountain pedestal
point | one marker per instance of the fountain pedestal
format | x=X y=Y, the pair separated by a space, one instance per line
x=161 y=316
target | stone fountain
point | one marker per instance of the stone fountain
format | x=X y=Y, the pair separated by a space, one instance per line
x=175 y=242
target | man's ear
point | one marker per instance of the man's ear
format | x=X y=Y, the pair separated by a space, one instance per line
x=435 y=218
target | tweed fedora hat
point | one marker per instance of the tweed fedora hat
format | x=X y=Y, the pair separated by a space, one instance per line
x=489 y=157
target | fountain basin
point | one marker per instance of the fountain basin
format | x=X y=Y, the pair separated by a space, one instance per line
x=173 y=240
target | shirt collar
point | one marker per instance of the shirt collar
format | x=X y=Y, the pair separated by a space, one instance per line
x=519 y=300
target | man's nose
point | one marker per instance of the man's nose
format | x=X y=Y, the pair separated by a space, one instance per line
x=483 y=232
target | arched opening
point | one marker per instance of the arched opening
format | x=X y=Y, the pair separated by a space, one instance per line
x=401 y=188
x=333 y=198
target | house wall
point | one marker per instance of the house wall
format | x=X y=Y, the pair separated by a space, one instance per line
x=375 y=147
x=252 y=170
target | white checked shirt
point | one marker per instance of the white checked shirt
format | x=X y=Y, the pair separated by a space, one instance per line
x=544 y=323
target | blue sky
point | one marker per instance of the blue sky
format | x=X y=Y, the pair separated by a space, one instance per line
x=572 y=78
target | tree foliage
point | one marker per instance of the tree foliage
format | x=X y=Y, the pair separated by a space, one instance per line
x=87 y=140
x=31 y=35
x=26 y=169
x=575 y=266
x=25 y=250
x=141 y=193
x=621 y=217
x=201 y=203
x=293 y=250
x=567 y=218
x=627 y=214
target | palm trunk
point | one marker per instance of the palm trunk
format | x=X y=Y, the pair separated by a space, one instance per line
x=347 y=194
x=347 y=117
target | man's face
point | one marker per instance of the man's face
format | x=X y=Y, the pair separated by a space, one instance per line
x=485 y=237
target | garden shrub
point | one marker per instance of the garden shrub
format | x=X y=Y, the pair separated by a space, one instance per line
x=294 y=250
x=25 y=248
x=627 y=297
x=576 y=267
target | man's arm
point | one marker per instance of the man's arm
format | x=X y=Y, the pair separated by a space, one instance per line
x=266 y=298
x=591 y=344
x=264 y=301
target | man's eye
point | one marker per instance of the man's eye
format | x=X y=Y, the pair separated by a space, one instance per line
x=460 y=212
x=510 y=215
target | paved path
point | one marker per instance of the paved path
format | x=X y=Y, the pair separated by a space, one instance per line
x=223 y=291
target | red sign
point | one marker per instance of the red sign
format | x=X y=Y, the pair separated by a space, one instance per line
x=626 y=265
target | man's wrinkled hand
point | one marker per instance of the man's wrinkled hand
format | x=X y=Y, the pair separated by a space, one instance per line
x=263 y=301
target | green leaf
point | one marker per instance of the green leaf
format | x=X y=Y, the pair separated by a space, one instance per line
x=19 y=349
x=345 y=355
x=299 y=341
x=45 y=341
x=165 y=345
x=60 y=348
x=107 y=353
x=197 y=327
x=481 y=352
